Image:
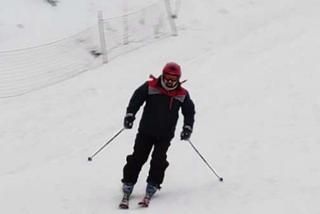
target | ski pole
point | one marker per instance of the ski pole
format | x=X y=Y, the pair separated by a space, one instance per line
x=109 y=141
x=206 y=162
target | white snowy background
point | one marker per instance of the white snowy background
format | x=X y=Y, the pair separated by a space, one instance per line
x=253 y=71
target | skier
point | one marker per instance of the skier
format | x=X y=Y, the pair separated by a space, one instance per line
x=163 y=97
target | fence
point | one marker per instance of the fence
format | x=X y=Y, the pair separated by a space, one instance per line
x=133 y=30
x=26 y=70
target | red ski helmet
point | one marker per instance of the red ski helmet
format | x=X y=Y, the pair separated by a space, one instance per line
x=172 y=68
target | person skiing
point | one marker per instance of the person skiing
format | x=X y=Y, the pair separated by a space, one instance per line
x=163 y=98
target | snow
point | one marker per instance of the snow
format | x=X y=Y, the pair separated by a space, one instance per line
x=253 y=73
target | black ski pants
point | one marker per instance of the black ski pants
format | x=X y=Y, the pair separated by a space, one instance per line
x=142 y=148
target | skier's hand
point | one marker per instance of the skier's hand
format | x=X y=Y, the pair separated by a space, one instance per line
x=186 y=133
x=128 y=121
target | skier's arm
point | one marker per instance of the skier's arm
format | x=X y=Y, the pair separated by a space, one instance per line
x=138 y=98
x=188 y=112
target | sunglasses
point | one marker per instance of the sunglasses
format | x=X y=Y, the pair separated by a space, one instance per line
x=172 y=78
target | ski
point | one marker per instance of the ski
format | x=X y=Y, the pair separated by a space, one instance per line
x=145 y=202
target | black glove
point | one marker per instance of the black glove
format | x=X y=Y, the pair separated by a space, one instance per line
x=128 y=121
x=186 y=133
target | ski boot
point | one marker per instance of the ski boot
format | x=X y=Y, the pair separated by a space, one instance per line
x=151 y=189
x=127 y=189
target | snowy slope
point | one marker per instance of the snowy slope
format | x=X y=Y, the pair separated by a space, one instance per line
x=25 y=23
x=253 y=72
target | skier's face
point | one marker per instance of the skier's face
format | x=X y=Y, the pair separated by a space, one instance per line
x=170 y=80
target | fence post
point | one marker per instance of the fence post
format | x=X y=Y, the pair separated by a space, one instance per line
x=174 y=31
x=103 y=44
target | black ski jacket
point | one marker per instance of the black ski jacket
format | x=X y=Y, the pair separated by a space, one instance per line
x=161 y=110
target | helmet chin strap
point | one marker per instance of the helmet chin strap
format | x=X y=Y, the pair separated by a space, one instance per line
x=166 y=87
